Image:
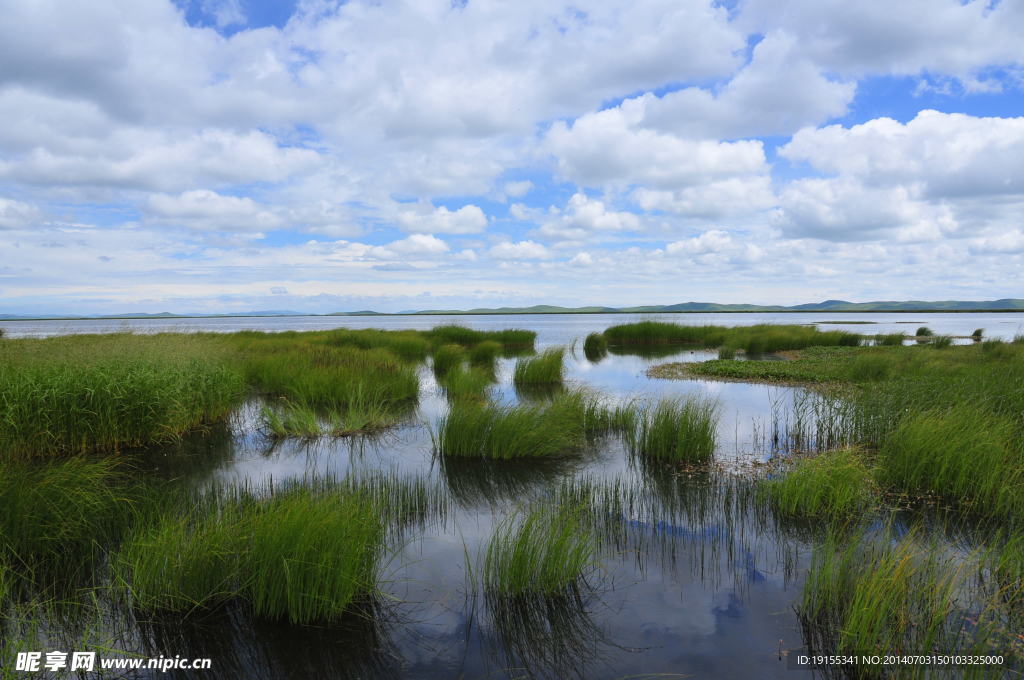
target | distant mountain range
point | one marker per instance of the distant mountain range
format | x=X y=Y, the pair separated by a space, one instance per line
x=1003 y=305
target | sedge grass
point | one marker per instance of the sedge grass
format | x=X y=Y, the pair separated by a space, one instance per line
x=484 y=354
x=595 y=347
x=448 y=357
x=676 y=430
x=546 y=550
x=470 y=382
x=890 y=340
x=511 y=338
x=73 y=395
x=547 y=368
x=832 y=486
x=756 y=339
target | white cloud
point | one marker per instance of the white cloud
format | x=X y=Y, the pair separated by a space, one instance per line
x=609 y=148
x=523 y=250
x=417 y=245
x=203 y=209
x=583 y=216
x=469 y=219
x=17 y=215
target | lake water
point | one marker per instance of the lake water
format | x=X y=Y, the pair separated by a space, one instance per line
x=704 y=589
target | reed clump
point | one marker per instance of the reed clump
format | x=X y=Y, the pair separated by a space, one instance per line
x=756 y=339
x=676 y=430
x=595 y=347
x=557 y=427
x=963 y=454
x=60 y=514
x=889 y=340
x=546 y=550
x=406 y=345
x=447 y=357
x=74 y=395
x=467 y=382
x=547 y=368
x=871 y=596
x=484 y=354
x=831 y=486
x=302 y=554
x=510 y=338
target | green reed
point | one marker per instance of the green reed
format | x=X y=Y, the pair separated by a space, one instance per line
x=676 y=430
x=595 y=347
x=547 y=368
x=835 y=485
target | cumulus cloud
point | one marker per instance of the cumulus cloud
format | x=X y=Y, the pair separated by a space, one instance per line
x=17 y=215
x=583 y=216
x=204 y=209
x=468 y=219
x=417 y=245
x=523 y=250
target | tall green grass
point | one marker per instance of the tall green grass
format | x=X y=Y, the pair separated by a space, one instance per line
x=448 y=357
x=756 y=339
x=547 y=368
x=544 y=551
x=470 y=382
x=406 y=345
x=870 y=596
x=963 y=454
x=511 y=338
x=677 y=430
x=484 y=354
x=80 y=394
x=59 y=516
x=595 y=347
x=299 y=553
x=530 y=430
x=835 y=485
x=890 y=340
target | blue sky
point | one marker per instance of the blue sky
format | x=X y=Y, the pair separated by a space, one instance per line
x=238 y=155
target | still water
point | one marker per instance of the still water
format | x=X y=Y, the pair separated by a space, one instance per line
x=705 y=589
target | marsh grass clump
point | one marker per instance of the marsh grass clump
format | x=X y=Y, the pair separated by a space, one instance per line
x=595 y=347
x=470 y=382
x=941 y=342
x=874 y=595
x=726 y=352
x=509 y=338
x=963 y=454
x=74 y=395
x=311 y=555
x=325 y=376
x=448 y=357
x=485 y=354
x=406 y=345
x=298 y=553
x=546 y=550
x=890 y=340
x=361 y=414
x=547 y=368
x=493 y=431
x=870 y=367
x=755 y=339
x=58 y=516
x=832 y=485
x=676 y=430
x=978 y=334
x=924 y=332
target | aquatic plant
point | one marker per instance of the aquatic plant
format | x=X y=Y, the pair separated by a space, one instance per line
x=676 y=430
x=964 y=454
x=58 y=515
x=595 y=347
x=511 y=338
x=447 y=357
x=756 y=339
x=484 y=354
x=924 y=332
x=890 y=340
x=545 y=550
x=835 y=485
x=495 y=431
x=978 y=334
x=469 y=382
x=941 y=342
x=547 y=368
x=406 y=345
x=73 y=395
x=726 y=352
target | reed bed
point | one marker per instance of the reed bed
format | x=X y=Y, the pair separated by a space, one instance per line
x=511 y=338
x=890 y=340
x=484 y=354
x=873 y=596
x=547 y=368
x=301 y=553
x=323 y=376
x=56 y=517
x=561 y=426
x=595 y=347
x=835 y=486
x=545 y=550
x=676 y=430
x=406 y=345
x=448 y=357
x=467 y=382
x=757 y=339
x=74 y=395
x=359 y=416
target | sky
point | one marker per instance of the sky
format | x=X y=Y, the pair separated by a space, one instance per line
x=223 y=156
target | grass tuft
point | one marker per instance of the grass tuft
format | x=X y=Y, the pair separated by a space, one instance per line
x=833 y=486
x=595 y=347
x=546 y=368
x=676 y=430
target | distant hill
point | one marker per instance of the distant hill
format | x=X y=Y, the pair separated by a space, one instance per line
x=1002 y=305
